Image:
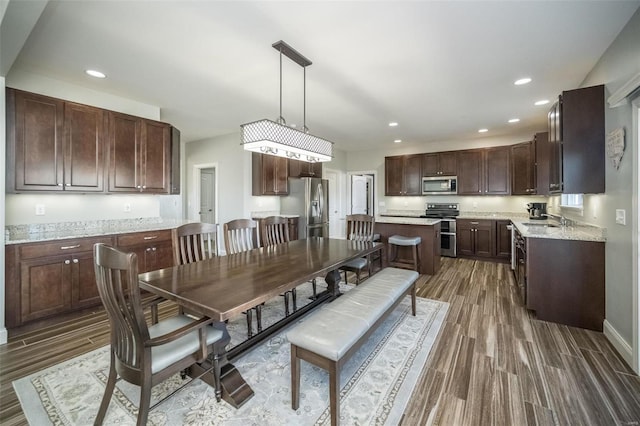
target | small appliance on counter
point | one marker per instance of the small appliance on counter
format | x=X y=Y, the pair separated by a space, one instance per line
x=537 y=211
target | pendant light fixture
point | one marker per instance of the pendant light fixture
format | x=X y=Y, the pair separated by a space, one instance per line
x=275 y=137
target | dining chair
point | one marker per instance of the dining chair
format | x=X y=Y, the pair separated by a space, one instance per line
x=147 y=355
x=275 y=230
x=241 y=235
x=359 y=228
x=194 y=242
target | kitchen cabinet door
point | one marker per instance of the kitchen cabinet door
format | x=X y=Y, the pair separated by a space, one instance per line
x=448 y=163
x=299 y=168
x=555 y=147
x=412 y=175
x=541 y=147
x=470 y=172
x=158 y=256
x=35 y=139
x=153 y=248
x=45 y=287
x=484 y=238
x=269 y=174
x=403 y=175
x=522 y=169
x=84 y=148
x=84 y=291
x=394 y=175
x=155 y=157
x=465 y=238
x=503 y=239
x=497 y=167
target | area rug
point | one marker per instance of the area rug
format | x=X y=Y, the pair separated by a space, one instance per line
x=376 y=383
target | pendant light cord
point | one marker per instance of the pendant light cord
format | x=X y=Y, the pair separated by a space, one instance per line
x=281 y=119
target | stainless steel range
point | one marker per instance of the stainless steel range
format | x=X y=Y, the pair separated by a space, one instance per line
x=448 y=213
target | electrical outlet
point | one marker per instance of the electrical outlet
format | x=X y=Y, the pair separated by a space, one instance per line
x=40 y=210
x=621 y=216
x=475 y=204
x=127 y=207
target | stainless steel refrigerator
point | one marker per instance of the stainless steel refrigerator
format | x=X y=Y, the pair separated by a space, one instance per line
x=308 y=198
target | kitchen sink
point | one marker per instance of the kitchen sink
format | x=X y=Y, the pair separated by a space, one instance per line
x=540 y=225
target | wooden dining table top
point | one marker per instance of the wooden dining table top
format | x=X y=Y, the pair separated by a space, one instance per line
x=224 y=286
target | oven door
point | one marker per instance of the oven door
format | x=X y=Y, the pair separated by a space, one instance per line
x=448 y=237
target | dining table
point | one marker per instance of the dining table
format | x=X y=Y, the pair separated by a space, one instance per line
x=223 y=287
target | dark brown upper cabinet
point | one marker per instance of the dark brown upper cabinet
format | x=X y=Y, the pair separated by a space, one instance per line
x=299 y=169
x=269 y=174
x=577 y=142
x=403 y=175
x=53 y=145
x=484 y=171
x=439 y=164
x=139 y=155
x=541 y=145
x=523 y=179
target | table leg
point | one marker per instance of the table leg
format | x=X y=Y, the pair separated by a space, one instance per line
x=333 y=280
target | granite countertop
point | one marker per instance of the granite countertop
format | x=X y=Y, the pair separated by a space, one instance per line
x=404 y=220
x=577 y=232
x=17 y=234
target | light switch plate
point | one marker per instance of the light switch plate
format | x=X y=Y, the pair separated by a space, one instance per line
x=127 y=207
x=40 y=210
x=621 y=216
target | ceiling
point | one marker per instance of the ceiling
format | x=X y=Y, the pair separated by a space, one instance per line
x=442 y=70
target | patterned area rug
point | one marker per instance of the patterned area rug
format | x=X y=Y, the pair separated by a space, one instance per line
x=376 y=383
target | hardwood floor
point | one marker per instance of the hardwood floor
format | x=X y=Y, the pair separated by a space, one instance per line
x=494 y=363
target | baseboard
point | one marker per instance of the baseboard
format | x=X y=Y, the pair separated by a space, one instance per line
x=618 y=342
x=3 y=336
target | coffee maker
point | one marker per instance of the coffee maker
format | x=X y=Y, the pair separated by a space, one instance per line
x=537 y=211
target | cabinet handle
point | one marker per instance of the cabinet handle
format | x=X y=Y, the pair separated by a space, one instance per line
x=68 y=184
x=67 y=262
x=75 y=260
x=139 y=187
x=474 y=223
x=148 y=248
x=59 y=184
x=153 y=249
x=69 y=247
x=144 y=186
x=151 y=237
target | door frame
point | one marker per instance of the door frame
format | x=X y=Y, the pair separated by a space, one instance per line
x=340 y=206
x=635 y=243
x=194 y=206
x=373 y=173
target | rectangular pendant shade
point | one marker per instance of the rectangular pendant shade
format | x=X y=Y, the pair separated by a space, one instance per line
x=268 y=137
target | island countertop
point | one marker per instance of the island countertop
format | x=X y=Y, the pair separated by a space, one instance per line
x=402 y=220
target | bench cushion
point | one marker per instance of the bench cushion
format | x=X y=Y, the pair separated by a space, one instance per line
x=332 y=330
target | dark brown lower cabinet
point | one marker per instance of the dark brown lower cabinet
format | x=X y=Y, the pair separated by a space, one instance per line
x=503 y=239
x=49 y=278
x=565 y=281
x=428 y=250
x=153 y=248
x=475 y=238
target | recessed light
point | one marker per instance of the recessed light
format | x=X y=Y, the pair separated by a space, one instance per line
x=393 y=124
x=522 y=81
x=96 y=74
x=542 y=102
x=483 y=130
x=397 y=141
x=514 y=120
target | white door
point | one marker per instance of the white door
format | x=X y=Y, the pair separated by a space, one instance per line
x=359 y=195
x=207 y=196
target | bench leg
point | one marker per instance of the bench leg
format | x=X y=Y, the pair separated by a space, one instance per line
x=295 y=378
x=334 y=393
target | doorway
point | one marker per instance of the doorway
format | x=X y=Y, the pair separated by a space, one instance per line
x=362 y=188
x=207 y=195
x=337 y=192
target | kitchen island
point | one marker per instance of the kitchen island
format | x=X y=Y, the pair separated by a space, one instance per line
x=427 y=229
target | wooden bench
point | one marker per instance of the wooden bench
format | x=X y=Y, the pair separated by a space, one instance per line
x=328 y=337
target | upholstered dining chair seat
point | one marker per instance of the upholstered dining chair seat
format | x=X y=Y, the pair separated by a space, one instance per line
x=164 y=355
x=355 y=265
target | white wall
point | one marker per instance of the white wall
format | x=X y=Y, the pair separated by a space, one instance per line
x=618 y=64
x=3 y=331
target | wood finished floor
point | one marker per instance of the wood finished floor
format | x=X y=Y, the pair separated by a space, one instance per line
x=493 y=364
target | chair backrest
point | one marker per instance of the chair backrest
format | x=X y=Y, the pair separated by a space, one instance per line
x=360 y=227
x=194 y=242
x=274 y=230
x=117 y=281
x=240 y=235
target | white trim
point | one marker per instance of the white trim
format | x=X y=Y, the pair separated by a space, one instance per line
x=194 y=206
x=619 y=97
x=375 y=188
x=618 y=342
x=635 y=290
x=3 y=336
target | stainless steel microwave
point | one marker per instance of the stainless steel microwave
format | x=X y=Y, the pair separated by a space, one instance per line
x=440 y=185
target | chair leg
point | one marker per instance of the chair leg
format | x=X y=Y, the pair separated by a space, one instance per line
x=293 y=299
x=216 y=376
x=108 y=391
x=259 y=318
x=358 y=277
x=249 y=314
x=345 y=278
x=313 y=285
x=286 y=303
x=145 y=401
